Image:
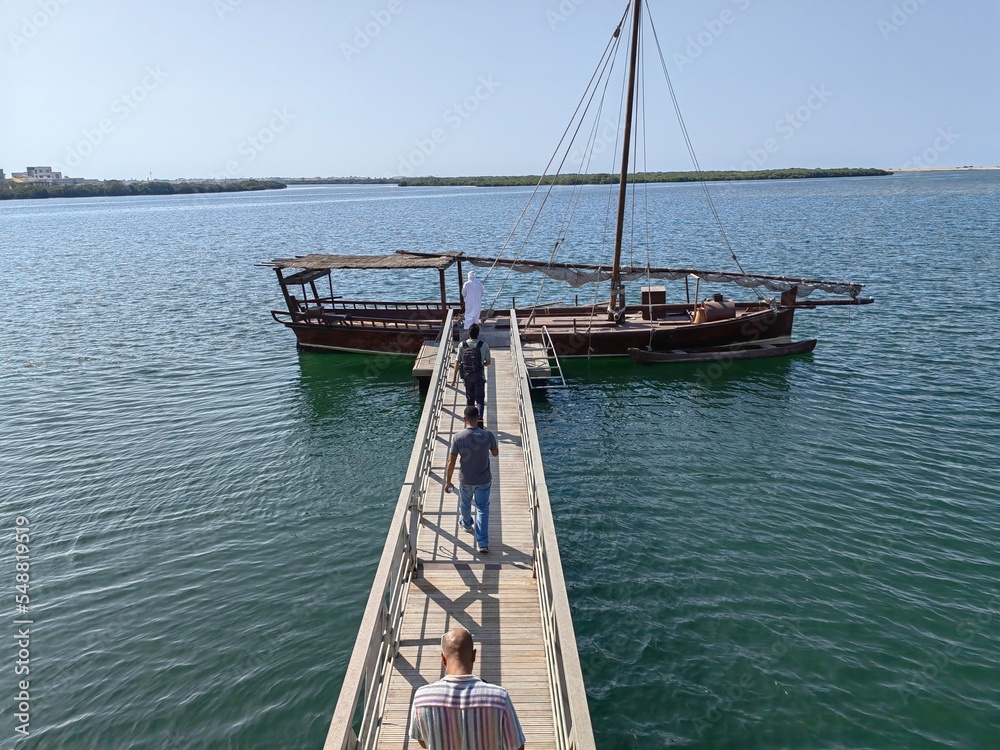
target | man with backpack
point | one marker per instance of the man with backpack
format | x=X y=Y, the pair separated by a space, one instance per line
x=473 y=359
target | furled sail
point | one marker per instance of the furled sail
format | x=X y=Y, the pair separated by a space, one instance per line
x=579 y=274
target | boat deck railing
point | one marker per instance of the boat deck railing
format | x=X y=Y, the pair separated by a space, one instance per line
x=358 y=304
x=332 y=317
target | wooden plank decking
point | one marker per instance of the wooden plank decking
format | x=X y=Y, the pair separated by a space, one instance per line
x=430 y=578
x=535 y=357
x=494 y=595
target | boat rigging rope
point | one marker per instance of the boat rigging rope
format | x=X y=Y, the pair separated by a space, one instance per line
x=612 y=190
x=607 y=56
x=577 y=192
x=694 y=157
x=572 y=205
x=593 y=308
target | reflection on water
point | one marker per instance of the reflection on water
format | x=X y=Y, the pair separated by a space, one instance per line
x=376 y=389
x=794 y=552
x=710 y=375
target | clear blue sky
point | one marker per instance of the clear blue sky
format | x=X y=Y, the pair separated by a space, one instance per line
x=198 y=88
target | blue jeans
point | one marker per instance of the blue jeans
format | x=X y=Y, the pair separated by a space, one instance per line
x=482 y=494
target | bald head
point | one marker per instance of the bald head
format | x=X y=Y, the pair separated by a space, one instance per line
x=458 y=652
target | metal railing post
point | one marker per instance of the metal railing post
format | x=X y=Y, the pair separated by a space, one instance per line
x=377 y=640
x=569 y=698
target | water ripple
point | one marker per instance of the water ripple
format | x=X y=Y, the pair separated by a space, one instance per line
x=796 y=553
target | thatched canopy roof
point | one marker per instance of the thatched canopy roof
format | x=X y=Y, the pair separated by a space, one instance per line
x=397 y=260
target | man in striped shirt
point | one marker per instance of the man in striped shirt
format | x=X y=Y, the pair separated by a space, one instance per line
x=461 y=712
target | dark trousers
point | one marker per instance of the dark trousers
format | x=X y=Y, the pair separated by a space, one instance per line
x=475 y=394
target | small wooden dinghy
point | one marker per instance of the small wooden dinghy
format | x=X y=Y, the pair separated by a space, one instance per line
x=723 y=353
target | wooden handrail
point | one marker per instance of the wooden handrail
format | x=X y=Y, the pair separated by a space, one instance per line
x=423 y=324
x=383 y=305
x=574 y=730
x=378 y=636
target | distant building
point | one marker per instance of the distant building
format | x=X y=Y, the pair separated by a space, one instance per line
x=43 y=176
x=37 y=176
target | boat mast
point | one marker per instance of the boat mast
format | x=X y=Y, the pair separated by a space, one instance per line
x=616 y=307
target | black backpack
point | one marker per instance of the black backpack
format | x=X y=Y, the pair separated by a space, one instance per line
x=471 y=360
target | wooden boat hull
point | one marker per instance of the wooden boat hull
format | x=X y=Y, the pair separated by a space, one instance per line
x=571 y=337
x=360 y=340
x=723 y=354
x=369 y=331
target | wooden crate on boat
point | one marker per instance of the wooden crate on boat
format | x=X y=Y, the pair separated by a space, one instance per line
x=653 y=295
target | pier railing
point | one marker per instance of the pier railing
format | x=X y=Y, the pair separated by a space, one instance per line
x=569 y=699
x=356 y=718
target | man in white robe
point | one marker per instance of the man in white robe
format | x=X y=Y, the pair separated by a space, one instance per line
x=472 y=293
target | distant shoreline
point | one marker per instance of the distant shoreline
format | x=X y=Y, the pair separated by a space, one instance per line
x=11 y=190
x=946 y=169
x=595 y=179
x=117 y=188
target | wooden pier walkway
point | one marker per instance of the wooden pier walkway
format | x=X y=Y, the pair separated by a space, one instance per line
x=431 y=579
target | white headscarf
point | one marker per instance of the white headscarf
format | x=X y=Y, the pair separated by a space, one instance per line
x=472 y=293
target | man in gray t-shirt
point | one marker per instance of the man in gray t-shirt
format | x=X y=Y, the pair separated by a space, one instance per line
x=474 y=445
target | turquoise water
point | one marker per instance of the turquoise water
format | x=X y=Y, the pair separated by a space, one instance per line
x=777 y=554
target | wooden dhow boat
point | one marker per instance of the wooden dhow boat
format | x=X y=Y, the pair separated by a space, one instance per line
x=656 y=325
x=614 y=328
x=325 y=321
